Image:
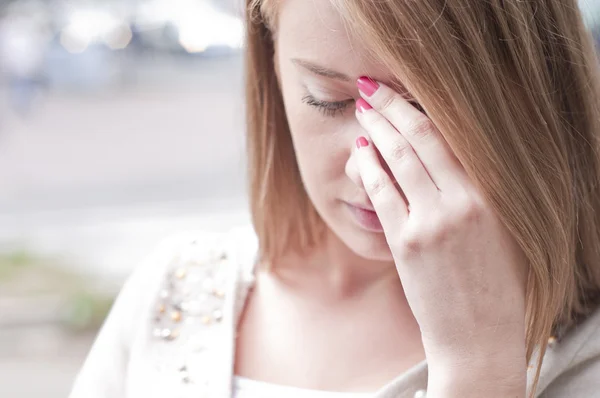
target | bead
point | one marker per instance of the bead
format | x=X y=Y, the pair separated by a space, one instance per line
x=165 y=333
x=218 y=315
x=218 y=293
x=552 y=340
x=161 y=309
x=421 y=394
x=206 y=320
x=176 y=316
x=185 y=376
x=180 y=273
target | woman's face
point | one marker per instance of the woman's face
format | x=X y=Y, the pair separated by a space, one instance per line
x=318 y=64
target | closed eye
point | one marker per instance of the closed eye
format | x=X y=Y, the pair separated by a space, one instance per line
x=327 y=108
x=334 y=108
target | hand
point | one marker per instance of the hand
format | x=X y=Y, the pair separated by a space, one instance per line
x=463 y=274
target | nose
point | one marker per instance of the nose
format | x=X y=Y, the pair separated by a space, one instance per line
x=351 y=169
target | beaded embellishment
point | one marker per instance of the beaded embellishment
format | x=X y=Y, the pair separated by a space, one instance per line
x=193 y=292
x=190 y=308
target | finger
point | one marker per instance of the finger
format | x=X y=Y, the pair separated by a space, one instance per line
x=387 y=201
x=405 y=165
x=429 y=145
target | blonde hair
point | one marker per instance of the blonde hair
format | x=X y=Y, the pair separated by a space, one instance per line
x=513 y=86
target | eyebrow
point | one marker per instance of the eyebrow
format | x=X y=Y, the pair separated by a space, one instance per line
x=321 y=70
x=333 y=74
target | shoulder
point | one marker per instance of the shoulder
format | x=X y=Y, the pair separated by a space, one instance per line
x=192 y=262
x=147 y=279
x=185 y=278
x=187 y=323
x=201 y=249
x=571 y=366
x=204 y=270
x=199 y=254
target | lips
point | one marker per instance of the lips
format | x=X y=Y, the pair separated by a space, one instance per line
x=363 y=207
x=365 y=217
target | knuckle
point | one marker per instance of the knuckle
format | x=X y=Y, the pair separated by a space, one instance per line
x=387 y=103
x=440 y=233
x=432 y=232
x=376 y=186
x=420 y=127
x=400 y=151
x=411 y=242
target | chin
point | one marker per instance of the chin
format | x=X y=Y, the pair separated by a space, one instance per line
x=366 y=244
x=369 y=245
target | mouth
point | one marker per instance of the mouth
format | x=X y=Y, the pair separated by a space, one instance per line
x=368 y=207
x=365 y=217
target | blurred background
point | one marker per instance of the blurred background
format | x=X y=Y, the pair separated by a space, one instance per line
x=121 y=123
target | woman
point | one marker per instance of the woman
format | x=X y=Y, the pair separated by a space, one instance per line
x=425 y=193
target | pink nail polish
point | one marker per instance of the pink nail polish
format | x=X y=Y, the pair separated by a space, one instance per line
x=362 y=105
x=361 y=142
x=367 y=85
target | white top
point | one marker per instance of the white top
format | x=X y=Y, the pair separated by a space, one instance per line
x=171 y=332
x=248 y=388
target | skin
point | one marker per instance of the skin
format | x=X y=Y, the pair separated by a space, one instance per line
x=443 y=281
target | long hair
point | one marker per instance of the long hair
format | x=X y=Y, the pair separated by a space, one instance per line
x=282 y=214
x=514 y=88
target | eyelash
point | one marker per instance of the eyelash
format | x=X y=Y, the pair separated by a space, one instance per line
x=327 y=108
x=334 y=108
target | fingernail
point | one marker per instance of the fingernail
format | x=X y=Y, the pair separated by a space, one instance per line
x=362 y=105
x=361 y=142
x=367 y=85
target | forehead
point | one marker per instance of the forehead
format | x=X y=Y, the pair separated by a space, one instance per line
x=313 y=30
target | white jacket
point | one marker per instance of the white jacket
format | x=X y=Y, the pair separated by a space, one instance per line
x=171 y=331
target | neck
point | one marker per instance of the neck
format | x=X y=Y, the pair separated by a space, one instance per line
x=337 y=268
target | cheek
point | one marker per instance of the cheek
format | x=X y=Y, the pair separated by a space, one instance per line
x=322 y=144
